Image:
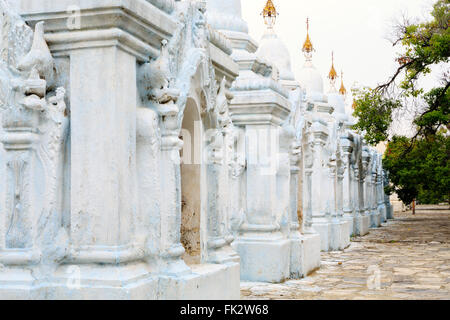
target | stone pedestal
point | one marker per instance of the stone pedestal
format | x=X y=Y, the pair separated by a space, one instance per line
x=362 y=224
x=264 y=257
x=310 y=253
x=339 y=236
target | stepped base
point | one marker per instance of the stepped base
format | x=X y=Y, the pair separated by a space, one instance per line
x=310 y=253
x=362 y=224
x=265 y=260
x=375 y=219
x=351 y=223
x=129 y=282
x=324 y=230
x=340 y=237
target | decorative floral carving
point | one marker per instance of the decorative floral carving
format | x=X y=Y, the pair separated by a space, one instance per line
x=215 y=148
x=222 y=101
x=200 y=34
x=16 y=236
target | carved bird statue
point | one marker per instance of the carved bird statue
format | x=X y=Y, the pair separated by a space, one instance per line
x=39 y=60
x=222 y=101
x=155 y=76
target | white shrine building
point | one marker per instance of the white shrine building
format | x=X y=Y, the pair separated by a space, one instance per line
x=151 y=149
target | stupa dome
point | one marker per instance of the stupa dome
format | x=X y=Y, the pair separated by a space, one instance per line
x=310 y=79
x=272 y=49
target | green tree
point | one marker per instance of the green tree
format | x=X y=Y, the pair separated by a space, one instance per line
x=419 y=165
x=420 y=169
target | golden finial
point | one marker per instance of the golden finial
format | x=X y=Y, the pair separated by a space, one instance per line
x=307 y=46
x=342 y=90
x=333 y=74
x=270 y=14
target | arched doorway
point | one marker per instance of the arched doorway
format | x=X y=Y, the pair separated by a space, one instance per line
x=191 y=172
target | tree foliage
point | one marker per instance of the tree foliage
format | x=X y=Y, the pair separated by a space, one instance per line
x=418 y=166
x=422 y=172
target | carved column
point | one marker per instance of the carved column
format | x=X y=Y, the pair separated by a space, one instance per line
x=381 y=207
x=387 y=201
x=333 y=190
x=294 y=185
x=341 y=170
x=365 y=183
x=226 y=194
x=348 y=192
x=380 y=195
x=320 y=186
x=148 y=145
x=171 y=247
x=355 y=190
x=347 y=183
x=294 y=234
x=373 y=200
x=307 y=202
x=318 y=193
x=216 y=242
x=308 y=163
x=237 y=190
x=21 y=210
x=355 y=195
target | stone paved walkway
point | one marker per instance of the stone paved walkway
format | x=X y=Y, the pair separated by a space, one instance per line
x=408 y=258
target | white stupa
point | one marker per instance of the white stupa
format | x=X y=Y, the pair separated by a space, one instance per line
x=309 y=77
x=272 y=48
x=336 y=98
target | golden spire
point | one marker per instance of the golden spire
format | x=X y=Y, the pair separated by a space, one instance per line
x=270 y=14
x=333 y=74
x=342 y=90
x=307 y=46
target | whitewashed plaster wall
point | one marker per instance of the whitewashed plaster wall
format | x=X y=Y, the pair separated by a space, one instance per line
x=110 y=187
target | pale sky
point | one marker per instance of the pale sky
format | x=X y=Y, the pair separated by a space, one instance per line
x=356 y=30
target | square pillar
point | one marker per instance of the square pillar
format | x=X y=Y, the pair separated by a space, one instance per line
x=319 y=187
x=264 y=250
